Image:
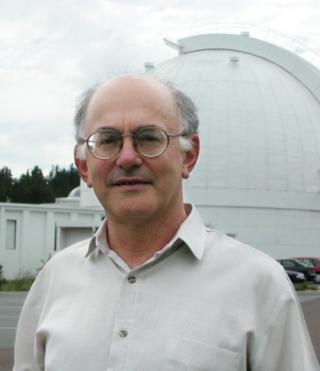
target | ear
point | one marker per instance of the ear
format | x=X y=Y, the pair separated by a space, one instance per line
x=191 y=156
x=82 y=167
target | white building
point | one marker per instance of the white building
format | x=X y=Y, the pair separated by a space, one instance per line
x=31 y=234
x=258 y=176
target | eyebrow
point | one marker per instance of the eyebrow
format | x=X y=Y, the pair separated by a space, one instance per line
x=144 y=126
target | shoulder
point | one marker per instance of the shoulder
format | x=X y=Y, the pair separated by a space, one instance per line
x=226 y=247
x=245 y=262
x=77 y=250
x=51 y=280
x=252 y=279
x=66 y=260
x=65 y=263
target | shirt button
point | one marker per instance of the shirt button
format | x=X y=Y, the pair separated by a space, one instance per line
x=132 y=279
x=123 y=333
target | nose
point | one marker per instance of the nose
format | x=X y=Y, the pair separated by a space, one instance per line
x=128 y=156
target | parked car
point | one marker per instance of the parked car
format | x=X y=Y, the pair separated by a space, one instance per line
x=296 y=276
x=296 y=265
x=312 y=261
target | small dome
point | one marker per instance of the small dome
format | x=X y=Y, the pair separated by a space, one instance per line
x=75 y=192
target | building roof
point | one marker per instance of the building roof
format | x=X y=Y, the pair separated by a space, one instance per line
x=259 y=108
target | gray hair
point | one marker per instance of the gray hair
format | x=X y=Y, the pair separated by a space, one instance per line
x=81 y=112
x=187 y=110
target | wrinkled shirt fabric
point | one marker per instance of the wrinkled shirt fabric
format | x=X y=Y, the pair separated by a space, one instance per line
x=204 y=302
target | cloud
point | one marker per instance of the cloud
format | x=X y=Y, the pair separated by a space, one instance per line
x=52 y=50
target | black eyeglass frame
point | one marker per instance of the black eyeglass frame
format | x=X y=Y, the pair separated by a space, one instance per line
x=122 y=136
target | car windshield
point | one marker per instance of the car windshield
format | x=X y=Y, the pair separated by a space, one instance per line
x=293 y=263
x=298 y=262
x=312 y=262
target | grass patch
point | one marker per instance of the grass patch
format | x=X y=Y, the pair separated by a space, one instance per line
x=18 y=284
x=304 y=286
x=300 y=286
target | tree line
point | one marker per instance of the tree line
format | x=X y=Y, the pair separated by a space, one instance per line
x=35 y=188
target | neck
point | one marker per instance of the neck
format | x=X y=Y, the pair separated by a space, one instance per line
x=135 y=243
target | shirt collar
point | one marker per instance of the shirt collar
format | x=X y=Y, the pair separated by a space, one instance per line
x=99 y=240
x=192 y=232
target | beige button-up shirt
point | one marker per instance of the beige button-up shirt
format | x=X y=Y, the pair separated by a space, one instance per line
x=205 y=302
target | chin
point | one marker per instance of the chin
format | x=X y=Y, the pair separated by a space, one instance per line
x=131 y=210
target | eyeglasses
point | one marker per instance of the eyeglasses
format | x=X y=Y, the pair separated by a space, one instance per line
x=149 y=142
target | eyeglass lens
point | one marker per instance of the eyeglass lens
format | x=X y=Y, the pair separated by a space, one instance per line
x=107 y=143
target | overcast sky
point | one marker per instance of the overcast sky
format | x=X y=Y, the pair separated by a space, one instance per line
x=51 y=50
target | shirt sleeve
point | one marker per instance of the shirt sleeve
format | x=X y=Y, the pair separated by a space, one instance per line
x=285 y=344
x=29 y=351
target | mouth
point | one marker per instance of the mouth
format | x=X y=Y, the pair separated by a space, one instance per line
x=130 y=181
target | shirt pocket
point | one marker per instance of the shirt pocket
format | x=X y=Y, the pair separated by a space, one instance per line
x=183 y=354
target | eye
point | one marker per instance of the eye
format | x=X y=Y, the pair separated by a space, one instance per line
x=107 y=138
x=151 y=135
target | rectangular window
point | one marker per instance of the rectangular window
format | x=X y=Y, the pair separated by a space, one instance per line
x=55 y=238
x=11 y=234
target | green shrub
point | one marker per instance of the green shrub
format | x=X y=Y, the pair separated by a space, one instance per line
x=300 y=286
x=2 y=280
x=18 y=284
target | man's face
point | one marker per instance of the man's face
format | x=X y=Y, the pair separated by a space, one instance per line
x=131 y=186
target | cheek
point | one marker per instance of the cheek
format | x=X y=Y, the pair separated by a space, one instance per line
x=175 y=161
x=99 y=171
x=173 y=168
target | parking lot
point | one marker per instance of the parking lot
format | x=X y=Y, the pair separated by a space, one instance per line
x=11 y=303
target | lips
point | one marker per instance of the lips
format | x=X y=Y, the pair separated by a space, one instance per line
x=130 y=181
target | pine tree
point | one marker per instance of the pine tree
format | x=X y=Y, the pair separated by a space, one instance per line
x=6 y=183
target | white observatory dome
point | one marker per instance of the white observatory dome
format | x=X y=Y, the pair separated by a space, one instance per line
x=259 y=111
x=258 y=175
x=259 y=105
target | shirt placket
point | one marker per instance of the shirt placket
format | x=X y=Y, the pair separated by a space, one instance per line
x=124 y=324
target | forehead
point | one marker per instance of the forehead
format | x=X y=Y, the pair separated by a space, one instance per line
x=125 y=101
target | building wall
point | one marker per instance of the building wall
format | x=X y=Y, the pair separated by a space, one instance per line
x=280 y=233
x=30 y=234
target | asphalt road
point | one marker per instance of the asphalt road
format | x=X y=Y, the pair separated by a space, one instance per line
x=11 y=303
x=10 y=307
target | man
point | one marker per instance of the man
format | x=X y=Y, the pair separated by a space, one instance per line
x=155 y=289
